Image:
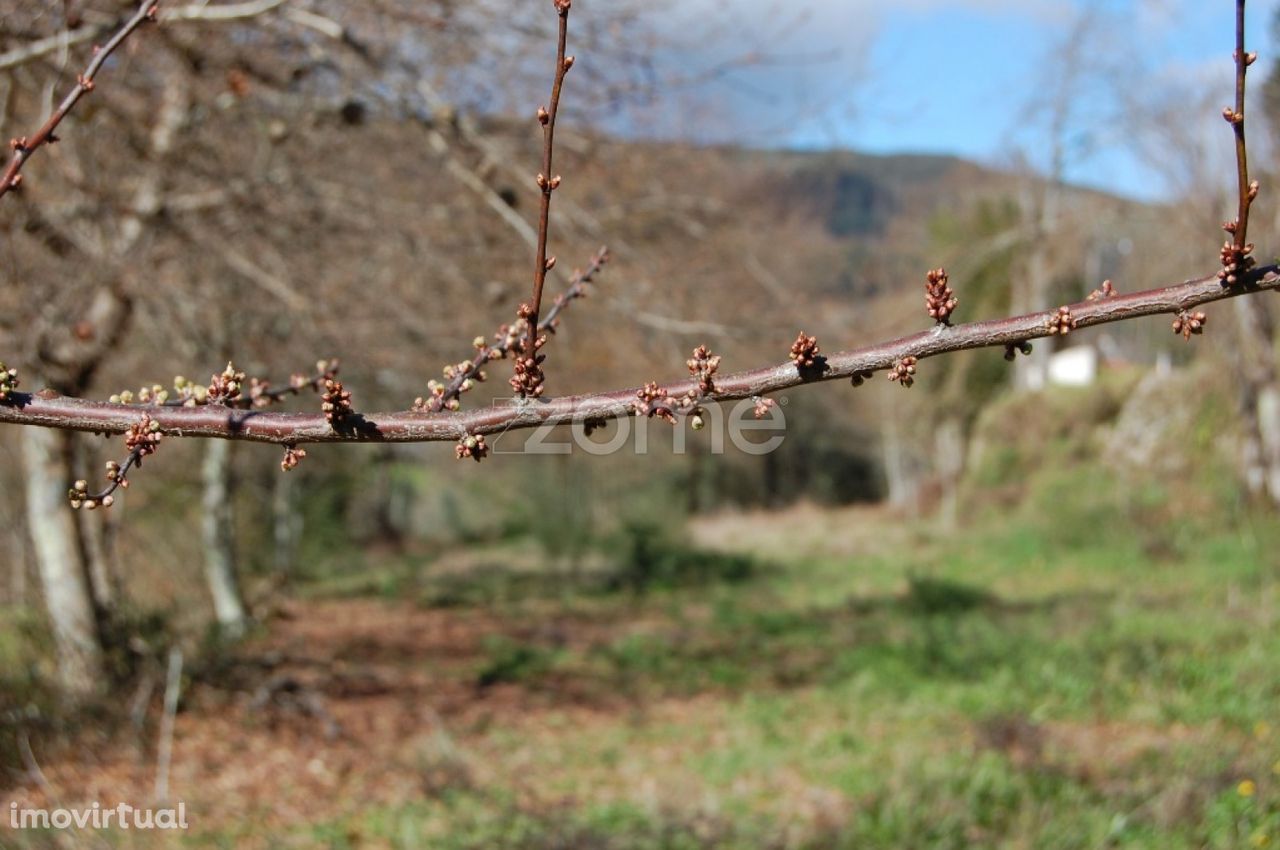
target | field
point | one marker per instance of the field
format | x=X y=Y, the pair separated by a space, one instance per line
x=770 y=680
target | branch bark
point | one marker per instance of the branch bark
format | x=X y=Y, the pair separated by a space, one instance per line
x=50 y=410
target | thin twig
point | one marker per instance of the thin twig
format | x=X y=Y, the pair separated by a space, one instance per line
x=50 y=410
x=118 y=478
x=548 y=182
x=1243 y=61
x=25 y=146
x=1236 y=253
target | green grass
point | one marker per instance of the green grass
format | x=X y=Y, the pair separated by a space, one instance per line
x=1007 y=689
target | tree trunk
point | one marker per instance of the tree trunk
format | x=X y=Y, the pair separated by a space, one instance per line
x=902 y=486
x=286 y=524
x=60 y=561
x=949 y=450
x=93 y=537
x=1259 y=401
x=16 y=593
x=219 y=540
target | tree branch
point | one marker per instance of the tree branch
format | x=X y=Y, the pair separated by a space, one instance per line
x=47 y=409
x=24 y=147
x=529 y=378
x=1237 y=252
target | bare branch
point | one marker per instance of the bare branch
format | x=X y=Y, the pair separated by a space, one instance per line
x=1236 y=253
x=50 y=410
x=25 y=146
x=529 y=377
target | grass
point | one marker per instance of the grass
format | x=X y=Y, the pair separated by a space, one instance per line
x=1009 y=688
x=1013 y=689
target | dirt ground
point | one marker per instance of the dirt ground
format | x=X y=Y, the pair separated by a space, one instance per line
x=342 y=705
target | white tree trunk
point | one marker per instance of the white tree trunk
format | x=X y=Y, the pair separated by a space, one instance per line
x=60 y=561
x=219 y=542
x=1269 y=430
x=92 y=535
x=1259 y=401
x=949 y=465
x=903 y=486
x=286 y=524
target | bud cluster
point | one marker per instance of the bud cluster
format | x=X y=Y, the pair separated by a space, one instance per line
x=459 y=378
x=225 y=388
x=335 y=402
x=79 y=497
x=1235 y=261
x=262 y=395
x=860 y=378
x=1187 y=324
x=1060 y=322
x=142 y=438
x=939 y=298
x=1107 y=290
x=763 y=406
x=904 y=371
x=805 y=352
x=8 y=381
x=154 y=395
x=528 y=379
x=292 y=457
x=472 y=446
x=703 y=365
x=652 y=400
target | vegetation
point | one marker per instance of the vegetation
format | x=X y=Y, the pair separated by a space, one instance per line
x=1081 y=668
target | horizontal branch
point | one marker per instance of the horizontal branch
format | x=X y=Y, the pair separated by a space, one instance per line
x=50 y=410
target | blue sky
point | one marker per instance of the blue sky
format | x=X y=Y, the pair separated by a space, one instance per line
x=962 y=76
